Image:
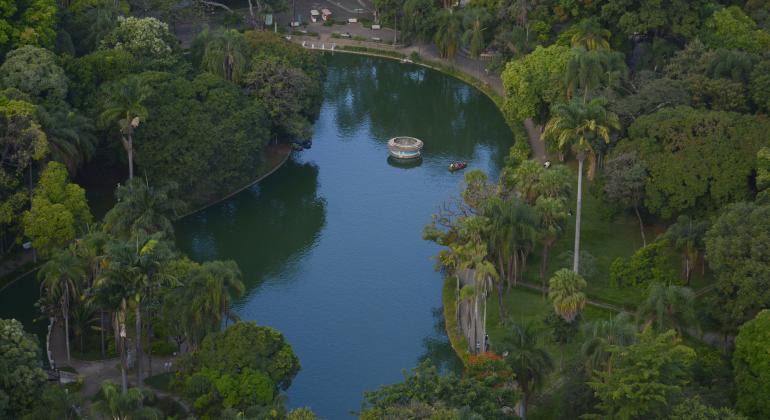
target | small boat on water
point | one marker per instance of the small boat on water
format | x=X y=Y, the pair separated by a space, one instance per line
x=456 y=166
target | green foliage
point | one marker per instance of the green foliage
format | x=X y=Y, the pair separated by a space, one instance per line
x=59 y=210
x=534 y=82
x=88 y=73
x=736 y=249
x=146 y=39
x=679 y=18
x=669 y=306
x=56 y=403
x=731 y=28
x=246 y=345
x=212 y=390
x=111 y=403
x=651 y=96
x=697 y=160
x=288 y=94
x=143 y=209
x=31 y=22
x=243 y=366
x=644 y=377
x=54 y=186
x=22 y=378
x=649 y=264
x=213 y=150
x=759 y=86
x=693 y=409
x=428 y=394
x=34 y=71
x=565 y=291
x=751 y=362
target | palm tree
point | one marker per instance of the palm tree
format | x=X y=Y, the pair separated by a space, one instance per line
x=565 y=290
x=142 y=209
x=669 y=306
x=61 y=277
x=128 y=405
x=589 y=34
x=448 y=33
x=228 y=278
x=136 y=264
x=575 y=125
x=552 y=212
x=686 y=235
x=590 y=69
x=124 y=106
x=601 y=335
x=83 y=315
x=70 y=136
x=474 y=20
x=226 y=55
x=529 y=361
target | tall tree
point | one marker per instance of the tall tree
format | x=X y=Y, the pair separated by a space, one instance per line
x=21 y=375
x=529 y=361
x=122 y=406
x=588 y=70
x=61 y=278
x=751 y=362
x=646 y=377
x=575 y=125
x=226 y=55
x=143 y=209
x=669 y=306
x=735 y=245
x=565 y=291
x=601 y=335
x=133 y=270
x=589 y=34
x=552 y=212
x=686 y=236
x=625 y=179
x=124 y=106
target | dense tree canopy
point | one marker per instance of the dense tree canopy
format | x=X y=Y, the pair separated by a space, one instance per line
x=34 y=71
x=751 y=361
x=21 y=375
x=243 y=366
x=535 y=82
x=31 y=22
x=697 y=161
x=736 y=249
x=180 y=150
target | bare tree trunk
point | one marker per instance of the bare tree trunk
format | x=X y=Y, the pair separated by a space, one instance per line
x=641 y=225
x=576 y=258
x=138 y=315
x=121 y=323
x=101 y=328
x=65 y=313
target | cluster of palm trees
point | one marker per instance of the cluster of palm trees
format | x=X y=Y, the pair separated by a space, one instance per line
x=128 y=269
x=492 y=232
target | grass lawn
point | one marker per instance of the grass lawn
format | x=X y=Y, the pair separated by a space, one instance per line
x=527 y=306
x=605 y=239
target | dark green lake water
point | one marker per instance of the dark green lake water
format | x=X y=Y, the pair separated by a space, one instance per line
x=330 y=244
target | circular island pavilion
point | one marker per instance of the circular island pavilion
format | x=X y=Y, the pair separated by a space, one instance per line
x=405 y=147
